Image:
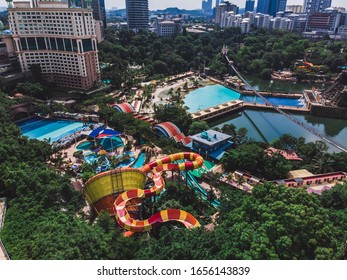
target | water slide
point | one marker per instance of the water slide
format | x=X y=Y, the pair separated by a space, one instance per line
x=199 y=190
x=156 y=168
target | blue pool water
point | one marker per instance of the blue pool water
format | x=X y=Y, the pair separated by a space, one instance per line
x=278 y=101
x=54 y=129
x=140 y=160
x=90 y=159
x=209 y=96
x=125 y=163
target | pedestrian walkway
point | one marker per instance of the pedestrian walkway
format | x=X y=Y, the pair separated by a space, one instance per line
x=3 y=252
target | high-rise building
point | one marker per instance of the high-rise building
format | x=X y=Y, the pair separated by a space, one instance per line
x=99 y=14
x=316 y=6
x=59 y=39
x=168 y=28
x=263 y=6
x=249 y=5
x=297 y=9
x=271 y=7
x=99 y=11
x=323 y=22
x=137 y=14
x=218 y=2
x=98 y=6
x=262 y=20
x=224 y=7
x=206 y=6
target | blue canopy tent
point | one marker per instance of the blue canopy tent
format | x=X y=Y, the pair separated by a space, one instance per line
x=108 y=132
x=102 y=132
x=96 y=132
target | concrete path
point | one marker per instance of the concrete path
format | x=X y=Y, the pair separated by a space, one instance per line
x=3 y=253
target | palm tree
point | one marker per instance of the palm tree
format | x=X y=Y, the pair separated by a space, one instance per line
x=323 y=163
x=149 y=150
x=211 y=196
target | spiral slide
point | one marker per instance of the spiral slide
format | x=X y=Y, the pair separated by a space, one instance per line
x=157 y=167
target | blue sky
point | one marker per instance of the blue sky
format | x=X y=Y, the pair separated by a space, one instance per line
x=190 y=4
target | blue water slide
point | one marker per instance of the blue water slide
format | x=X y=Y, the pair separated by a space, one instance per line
x=199 y=190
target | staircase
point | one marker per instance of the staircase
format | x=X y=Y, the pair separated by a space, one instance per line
x=117 y=181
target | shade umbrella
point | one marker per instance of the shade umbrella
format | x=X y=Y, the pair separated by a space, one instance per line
x=96 y=132
x=107 y=132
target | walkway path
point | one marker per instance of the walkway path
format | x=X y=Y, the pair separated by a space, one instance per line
x=3 y=252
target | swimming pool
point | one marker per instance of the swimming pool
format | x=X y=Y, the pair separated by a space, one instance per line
x=209 y=96
x=212 y=95
x=53 y=129
x=140 y=160
x=296 y=102
x=91 y=158
x=125 y=163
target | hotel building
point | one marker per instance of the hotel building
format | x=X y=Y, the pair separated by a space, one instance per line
x=58 y=38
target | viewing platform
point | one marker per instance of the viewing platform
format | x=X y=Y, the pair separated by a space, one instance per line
x=273 y=94
x=249 y=105
x=218 y=110
x=235 y=106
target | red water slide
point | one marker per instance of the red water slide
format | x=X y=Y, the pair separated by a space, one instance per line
x=193 y=161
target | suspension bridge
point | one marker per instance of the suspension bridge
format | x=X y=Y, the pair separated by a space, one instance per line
x=310 y=129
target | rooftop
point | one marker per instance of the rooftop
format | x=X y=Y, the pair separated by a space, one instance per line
x=210 y=137
x=299 y=173
x=289 y=155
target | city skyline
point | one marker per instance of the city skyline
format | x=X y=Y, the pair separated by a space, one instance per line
x=191 y=4
x=196 y=4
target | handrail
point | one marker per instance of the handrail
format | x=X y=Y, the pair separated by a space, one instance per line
x=3 y=249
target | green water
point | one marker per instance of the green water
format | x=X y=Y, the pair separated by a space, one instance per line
x=267 y=126
x=279 y=86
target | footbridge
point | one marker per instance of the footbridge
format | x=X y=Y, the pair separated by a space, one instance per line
x=326 y=139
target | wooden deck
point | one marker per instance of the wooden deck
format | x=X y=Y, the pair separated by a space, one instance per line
x=249 y=105
x=234 y=106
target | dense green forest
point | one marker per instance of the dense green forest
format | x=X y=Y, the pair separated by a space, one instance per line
x=45 y=217
x=249 y=156
x=45 y=220
x=133 y=57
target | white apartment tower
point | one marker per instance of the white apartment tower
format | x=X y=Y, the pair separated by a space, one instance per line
x=60 y=39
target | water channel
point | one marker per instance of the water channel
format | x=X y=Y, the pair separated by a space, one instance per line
x=267 y=125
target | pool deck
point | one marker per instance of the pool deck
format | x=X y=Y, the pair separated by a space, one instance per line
x=248 y=105
x=234 y=106
x=231 y=106
x=293 y=95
